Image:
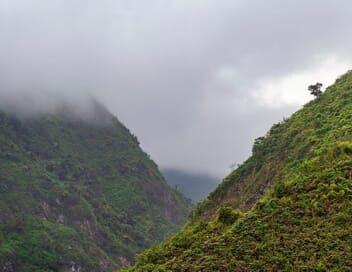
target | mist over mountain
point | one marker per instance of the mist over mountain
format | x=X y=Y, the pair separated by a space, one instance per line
x=195 y=186
x=198 y=82
x=207 y=67
x=77 y=193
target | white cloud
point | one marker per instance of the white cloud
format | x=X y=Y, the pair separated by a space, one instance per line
x=195 y=80
x=292 y=88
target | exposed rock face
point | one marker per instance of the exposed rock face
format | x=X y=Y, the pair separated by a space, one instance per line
x=124 y=262
x=7 y=266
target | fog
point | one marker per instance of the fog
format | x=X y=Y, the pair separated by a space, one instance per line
x=195 y=80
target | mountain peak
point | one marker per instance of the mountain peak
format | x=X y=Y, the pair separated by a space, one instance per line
x=74 y=193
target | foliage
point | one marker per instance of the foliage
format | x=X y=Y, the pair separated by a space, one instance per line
x=296 y=194
x=315 y=89
x=79 y=191
x=228 y=216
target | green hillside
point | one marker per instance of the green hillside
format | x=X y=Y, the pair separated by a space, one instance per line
x=287 y=208
x=79 y=194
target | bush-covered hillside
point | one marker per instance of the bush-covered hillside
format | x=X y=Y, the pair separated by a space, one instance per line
x=287 y=208
x=79 y=194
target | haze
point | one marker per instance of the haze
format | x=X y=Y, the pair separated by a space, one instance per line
x=195 y=80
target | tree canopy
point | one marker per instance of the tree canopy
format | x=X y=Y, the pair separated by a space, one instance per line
x=315 y=89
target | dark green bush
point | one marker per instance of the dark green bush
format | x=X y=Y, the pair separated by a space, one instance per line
x=228 y=216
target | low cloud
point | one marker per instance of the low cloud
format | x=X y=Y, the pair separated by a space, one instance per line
x=195 y=80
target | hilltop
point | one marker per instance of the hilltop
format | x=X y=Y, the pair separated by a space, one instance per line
x=78 y=193
x=287 y=208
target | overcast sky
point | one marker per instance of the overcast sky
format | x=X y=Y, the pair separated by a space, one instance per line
x=195 y=80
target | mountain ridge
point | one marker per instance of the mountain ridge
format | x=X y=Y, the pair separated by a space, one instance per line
x=195 y=186
x=287 y=208
x=79 y=193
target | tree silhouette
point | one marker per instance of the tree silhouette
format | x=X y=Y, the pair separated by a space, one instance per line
x=315 y=89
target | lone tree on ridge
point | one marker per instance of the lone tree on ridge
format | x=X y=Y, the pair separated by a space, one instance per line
x=315 y=89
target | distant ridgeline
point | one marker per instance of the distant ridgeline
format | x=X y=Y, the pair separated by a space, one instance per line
x=79 y=194
x=193 y=185
x=287 y=208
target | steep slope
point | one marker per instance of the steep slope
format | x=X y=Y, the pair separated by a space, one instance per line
x=195 y=186
x=79 y=194
x=303 y=166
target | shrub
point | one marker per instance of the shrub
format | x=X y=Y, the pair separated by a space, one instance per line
x=228 y=216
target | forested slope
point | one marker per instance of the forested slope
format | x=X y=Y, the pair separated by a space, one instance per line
x=287 y=208
x=79 y=193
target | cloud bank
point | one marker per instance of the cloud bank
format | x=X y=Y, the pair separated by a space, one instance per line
x=195 y=80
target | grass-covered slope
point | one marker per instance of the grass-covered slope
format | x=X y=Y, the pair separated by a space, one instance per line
x=301 y=173
x=79 y=194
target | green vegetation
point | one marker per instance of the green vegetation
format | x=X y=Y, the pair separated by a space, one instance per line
x=76 y=193
x=228 y=216
x=295 y=194
x=315 y=89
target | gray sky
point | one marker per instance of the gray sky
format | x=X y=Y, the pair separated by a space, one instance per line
x=195 y=80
